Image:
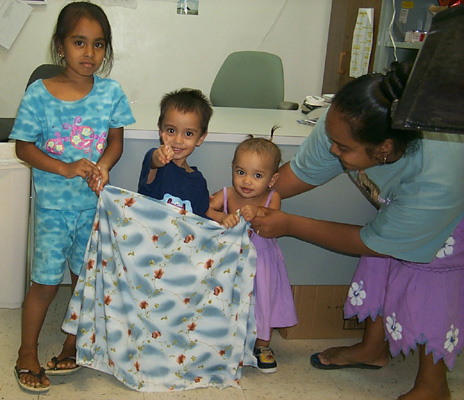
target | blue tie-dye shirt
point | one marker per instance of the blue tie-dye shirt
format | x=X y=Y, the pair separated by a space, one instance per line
x=69 y=131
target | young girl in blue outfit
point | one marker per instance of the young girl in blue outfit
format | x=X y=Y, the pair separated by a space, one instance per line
x=70 y=130
x=254 y=172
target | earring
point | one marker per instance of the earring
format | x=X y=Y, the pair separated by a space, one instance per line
x=385 y=159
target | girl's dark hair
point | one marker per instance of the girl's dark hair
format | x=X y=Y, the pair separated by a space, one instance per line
x=68 y=19
x=187 y=100
x=262 y=147
x=367 y=104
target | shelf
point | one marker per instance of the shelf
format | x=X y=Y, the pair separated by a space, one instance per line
x=385 y=52
x=406 y=45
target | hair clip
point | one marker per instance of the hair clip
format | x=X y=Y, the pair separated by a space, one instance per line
x=273 y=130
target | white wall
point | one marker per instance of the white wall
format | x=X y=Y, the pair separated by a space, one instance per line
x=157 y=50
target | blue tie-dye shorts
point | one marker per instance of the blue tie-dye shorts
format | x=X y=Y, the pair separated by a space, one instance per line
x=60 y=239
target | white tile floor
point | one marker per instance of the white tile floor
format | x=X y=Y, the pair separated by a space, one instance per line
x=295 y=379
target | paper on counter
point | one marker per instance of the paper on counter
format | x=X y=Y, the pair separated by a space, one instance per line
x=13 y=16
x=362 y=42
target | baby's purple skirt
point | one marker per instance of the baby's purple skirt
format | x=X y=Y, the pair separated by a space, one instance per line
x=419 y=303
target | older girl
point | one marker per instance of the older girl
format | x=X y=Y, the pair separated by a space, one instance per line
x=409 y=284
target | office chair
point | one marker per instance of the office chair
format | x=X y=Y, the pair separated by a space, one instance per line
x=45 y=71
x=250 y=79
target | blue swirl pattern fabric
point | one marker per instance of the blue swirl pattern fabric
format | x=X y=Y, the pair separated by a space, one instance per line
x=165 y=298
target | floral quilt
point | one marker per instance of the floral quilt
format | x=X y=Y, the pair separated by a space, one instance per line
x=165 y=298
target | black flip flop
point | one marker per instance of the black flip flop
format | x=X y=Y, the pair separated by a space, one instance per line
x=31 y=389
x=316 y=363
x=62 y=371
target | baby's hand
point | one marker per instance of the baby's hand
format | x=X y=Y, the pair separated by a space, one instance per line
x=248 y=212
x=163 y=154
x=230 y=220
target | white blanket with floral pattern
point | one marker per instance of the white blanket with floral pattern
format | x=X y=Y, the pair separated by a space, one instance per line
x=164 y=300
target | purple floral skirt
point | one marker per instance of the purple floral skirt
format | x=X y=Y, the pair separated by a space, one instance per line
x=419 y=303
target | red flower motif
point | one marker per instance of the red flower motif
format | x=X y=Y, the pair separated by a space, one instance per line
x=222 y=352
x=124 y=268
x=111 y=363
x=143 y=304
x=108 y=299
x=92 y=338
x=137 y=366
x=129 y=332
x=104 y=263
x=186 y=300
x=74 y=316
x=198 y=379
x=96 y=225
x=159 y=273
x=129 y=202
x=115 y=233
x=191 y=327
x=189 y=238
x=155 y=238
x=209 y=264
x=241 y=251
x=240 y=364
x=180 y=359
x=218 y=290
x=90 y=264
x=155 y=334
x=182 y=211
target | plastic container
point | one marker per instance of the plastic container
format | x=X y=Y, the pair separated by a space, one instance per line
x=15 y=184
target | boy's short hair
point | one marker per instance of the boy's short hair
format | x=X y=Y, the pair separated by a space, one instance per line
x=187 y=100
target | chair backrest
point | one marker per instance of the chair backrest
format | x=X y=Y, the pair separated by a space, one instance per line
x=249 y=79
x=45 y=71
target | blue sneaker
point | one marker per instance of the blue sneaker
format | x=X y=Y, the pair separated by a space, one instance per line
x=266 y=361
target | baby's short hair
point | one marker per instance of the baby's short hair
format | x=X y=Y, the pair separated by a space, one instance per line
x=261 y=146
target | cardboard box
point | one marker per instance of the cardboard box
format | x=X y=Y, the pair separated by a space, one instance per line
x=320 y=314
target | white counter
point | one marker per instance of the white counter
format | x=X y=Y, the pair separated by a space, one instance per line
x=233 y=124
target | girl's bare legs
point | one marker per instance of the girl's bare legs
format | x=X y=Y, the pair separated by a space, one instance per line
x=431 y=382
x=69 y=345
x=35 y=308
x=372 y=350
x=263 y=343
